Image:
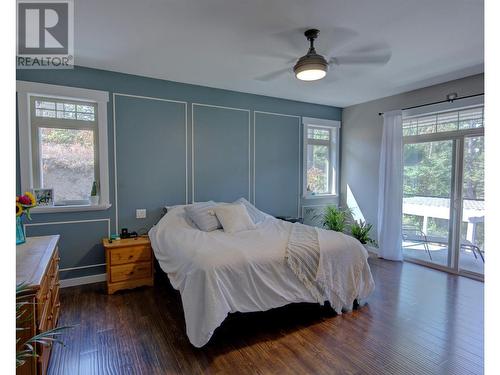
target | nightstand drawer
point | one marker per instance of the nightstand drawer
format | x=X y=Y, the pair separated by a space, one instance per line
x=130 y=271
x=130 y=254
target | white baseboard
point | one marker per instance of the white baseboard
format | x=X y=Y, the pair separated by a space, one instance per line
x=65 y=283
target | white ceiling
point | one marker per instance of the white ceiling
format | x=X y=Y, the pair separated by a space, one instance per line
x=230 y=44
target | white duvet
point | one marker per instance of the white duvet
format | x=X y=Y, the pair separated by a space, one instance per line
x=218 y=273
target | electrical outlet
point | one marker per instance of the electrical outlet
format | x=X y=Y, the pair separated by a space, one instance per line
x=140 y=213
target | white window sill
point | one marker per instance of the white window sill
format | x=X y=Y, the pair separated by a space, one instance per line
x=75 y=208
x=318 y=196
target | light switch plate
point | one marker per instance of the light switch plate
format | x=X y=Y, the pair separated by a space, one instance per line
x=140 y=213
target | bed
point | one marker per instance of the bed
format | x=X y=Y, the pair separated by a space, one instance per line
x=218 y=273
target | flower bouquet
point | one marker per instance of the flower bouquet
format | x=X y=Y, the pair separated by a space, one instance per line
x=23 y=205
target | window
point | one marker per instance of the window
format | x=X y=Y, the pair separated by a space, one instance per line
x=320 y=157
x=469 y=118
x=64 y=148
x=63 y=144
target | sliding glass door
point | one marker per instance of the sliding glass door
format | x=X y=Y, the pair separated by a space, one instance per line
x=443 y=191
x=428 y=181
x=471 y=256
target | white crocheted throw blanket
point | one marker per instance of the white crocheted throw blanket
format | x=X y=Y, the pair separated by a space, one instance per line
x=302 y=256
x=335 y=276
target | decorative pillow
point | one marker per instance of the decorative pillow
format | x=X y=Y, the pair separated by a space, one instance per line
x=255 y=214
x=170 y=208
x=203 y=216
x=233 y=217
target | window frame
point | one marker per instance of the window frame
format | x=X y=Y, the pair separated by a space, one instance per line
x=26 y=92
x=334 y=148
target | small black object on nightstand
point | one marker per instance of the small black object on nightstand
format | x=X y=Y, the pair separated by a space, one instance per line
x=291 y=219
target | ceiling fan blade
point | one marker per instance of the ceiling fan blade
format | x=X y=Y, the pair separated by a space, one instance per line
x=372 y=48
x=288 y=57
x=361 y=59
x=330 y=77
x=328 y=37
x=273 y=75
x=294 y=39
x=334 y=38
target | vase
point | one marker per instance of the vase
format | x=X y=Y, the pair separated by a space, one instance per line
x=20 y=237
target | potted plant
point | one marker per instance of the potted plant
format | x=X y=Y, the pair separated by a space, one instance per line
x=24 y=203
x=361 y=231
x=335 y=218
x=27 y=349
x=94 y=197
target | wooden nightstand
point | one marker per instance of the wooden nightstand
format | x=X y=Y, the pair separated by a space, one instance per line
x=129 y=263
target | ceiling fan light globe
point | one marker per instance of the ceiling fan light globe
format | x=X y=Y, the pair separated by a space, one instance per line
x=310 y=74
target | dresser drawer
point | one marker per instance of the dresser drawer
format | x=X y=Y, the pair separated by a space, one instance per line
x=42 y=297
x=51 y=321
x=130 y=271
x=43 y=359
x=55 y=311
x=130 y=254
x=46 y=292
x=54 y=289
x=54 y=264
x=55 y=303
x=46 y=312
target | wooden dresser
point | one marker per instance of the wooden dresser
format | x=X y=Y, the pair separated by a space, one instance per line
x=129 y=263
x=37 y=265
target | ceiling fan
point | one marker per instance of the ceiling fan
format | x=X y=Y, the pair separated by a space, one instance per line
x=313 y=66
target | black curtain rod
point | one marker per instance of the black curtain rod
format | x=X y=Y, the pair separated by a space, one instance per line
x=441 y=101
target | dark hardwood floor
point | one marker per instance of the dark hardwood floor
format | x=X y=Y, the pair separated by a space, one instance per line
x=418 y=321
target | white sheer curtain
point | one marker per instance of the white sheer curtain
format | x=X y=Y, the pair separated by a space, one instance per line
x=390 y=193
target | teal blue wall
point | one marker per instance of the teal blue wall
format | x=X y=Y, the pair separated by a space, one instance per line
x=277 y=184
x=238 y=151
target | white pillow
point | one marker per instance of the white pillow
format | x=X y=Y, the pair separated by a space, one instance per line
x=170 y=208
x=233 y=217
x=203 y=215
x=255 y=214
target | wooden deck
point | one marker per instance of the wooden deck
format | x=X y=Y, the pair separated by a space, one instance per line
x=418 y=321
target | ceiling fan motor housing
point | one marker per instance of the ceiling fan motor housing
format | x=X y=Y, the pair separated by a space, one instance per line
x=312 y=60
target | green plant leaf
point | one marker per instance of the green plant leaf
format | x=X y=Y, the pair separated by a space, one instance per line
x=335 y=218
x=44 y=338
x=361 y=231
